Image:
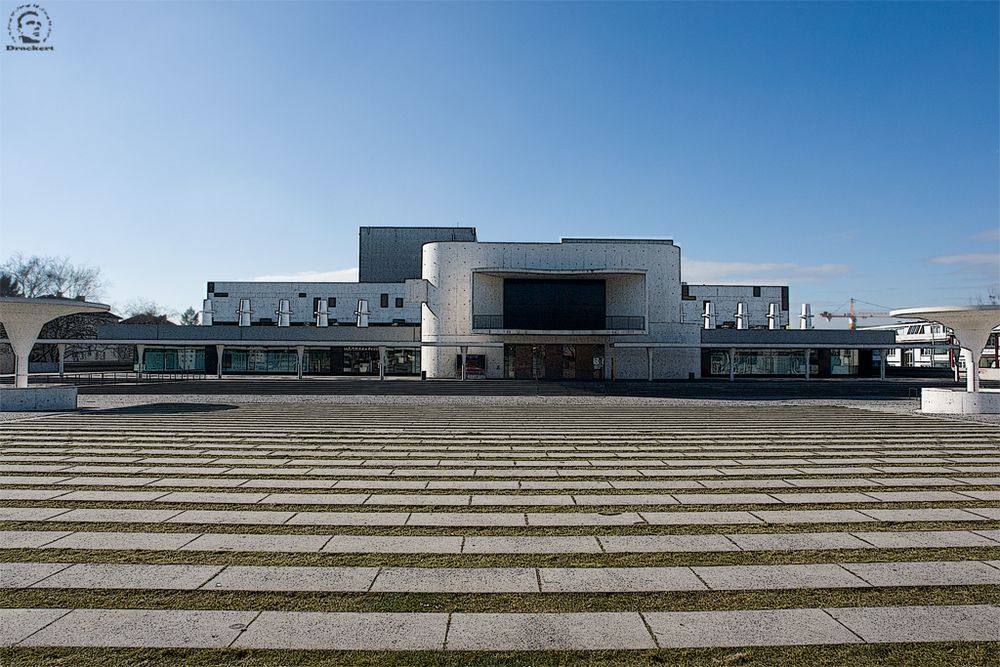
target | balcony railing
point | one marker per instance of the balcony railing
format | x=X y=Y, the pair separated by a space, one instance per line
x=611 y=323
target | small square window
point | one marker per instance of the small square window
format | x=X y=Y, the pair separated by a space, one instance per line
x=756 y=291
x=331 y=302
x=399 y=302
x=302 y=295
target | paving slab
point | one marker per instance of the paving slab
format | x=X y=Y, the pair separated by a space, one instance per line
x=925 y=539
x=348 y=519
x=346 y=631
x=18 y=624
x=626 y=499
x=699 y=518
x=917 y=481
x=531 y=545
x=238 y=542
x=822 y=498
x=931 y=573
x=417 y=499
x=548 y=631
x=290 y=483
x=982 y=495
x=29 y=539
x=726 y=499
x=522 y=499
x=31 y=494
x=117 y=516
x=122 y=541
x=466 y=519
x=759 y=627
x=992 y=535
x=316 y=498
x=113 y=496
x=142 y=628
x=200 y=482
x=31 y=479
x=108 y=481
x=920 y=496
x=777 y=577
x=829 y=482
x=232 y=517
x=584 y=519
x=666 y=543
x=922 y=624
x=798 y=541
x=986 y=512
x=22 y=575
x=619 y=579
x=745 y=484
x=812 y=516
x=273 y=578
x=458 y=580
x=374 y=544
x=209 y=497
x=120 y=575
x=928 y=514
x=30 y=513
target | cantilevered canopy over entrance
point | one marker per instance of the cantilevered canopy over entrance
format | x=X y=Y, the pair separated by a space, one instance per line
x=972 y=326
x=23 y=318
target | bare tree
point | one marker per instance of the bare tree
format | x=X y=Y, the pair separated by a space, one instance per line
x=147 y=307
x=53 y=276
x=9 y=285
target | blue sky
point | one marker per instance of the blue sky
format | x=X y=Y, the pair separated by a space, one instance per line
x=849 y=150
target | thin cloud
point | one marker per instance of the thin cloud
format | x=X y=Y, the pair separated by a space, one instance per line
x=341 y=276
x=968 y=259
x=735 y=273
x=988 y=235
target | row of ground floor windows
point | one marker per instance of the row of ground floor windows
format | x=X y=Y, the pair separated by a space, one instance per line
x=822 y=363
x=315 y=361
x=541 y=362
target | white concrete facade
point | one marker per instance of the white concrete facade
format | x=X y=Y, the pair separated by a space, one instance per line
x=465 y=287
x=265 y=297
x=756 y=302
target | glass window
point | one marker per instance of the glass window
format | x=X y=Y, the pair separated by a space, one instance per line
x=384 y=300
x=399 y=302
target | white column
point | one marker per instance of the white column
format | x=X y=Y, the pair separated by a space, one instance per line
x=649 y=364
x=881 y=363
x=140 y=353
x=218 y=364
x=300 y=352
x=971 y=371
x=465 y=351
x=61 y=348
x=21 y=368
x=808 y=354
x=732 y=364
x=381 y=363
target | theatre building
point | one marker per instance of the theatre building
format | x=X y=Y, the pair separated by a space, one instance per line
x=436 y=301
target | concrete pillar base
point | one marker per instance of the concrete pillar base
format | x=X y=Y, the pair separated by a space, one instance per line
x=957 y=402
x=35 y=399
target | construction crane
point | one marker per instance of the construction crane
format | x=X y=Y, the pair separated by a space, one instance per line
x=853 y=316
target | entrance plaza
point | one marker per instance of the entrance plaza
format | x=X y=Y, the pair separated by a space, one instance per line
x=561 y=527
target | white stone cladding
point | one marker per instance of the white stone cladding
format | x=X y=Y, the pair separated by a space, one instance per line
x=726 y=299
x=264 y=298
x=642 y=279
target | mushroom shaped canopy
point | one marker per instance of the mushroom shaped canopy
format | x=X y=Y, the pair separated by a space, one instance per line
x=22 y=318
x=972 y=324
